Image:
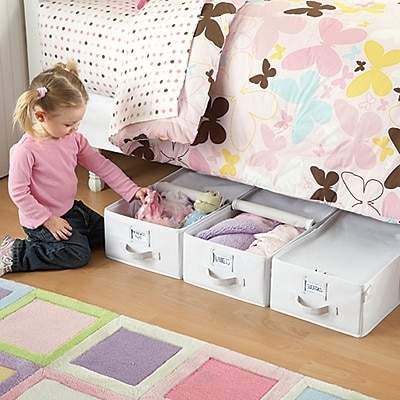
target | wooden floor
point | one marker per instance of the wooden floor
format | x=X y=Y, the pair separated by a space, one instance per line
x=370 y=365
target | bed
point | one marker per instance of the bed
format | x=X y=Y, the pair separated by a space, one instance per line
x=298 y=97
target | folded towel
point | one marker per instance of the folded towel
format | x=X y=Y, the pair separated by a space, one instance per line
x=238 y=232
x=267 y=244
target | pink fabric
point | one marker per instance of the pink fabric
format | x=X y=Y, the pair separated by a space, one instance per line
x=24 y=328
x=216 y=380
x=42 y=180
x=141 y=3
x=163 y=211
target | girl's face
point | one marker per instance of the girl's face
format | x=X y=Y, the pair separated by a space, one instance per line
x=61 y=123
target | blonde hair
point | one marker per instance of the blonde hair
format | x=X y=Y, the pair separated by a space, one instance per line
x=63 y=89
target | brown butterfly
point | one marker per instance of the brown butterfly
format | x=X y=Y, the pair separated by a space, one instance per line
x=267 y=72
x=361 y=66
x=212 y=29
x=393 y=180
x=313 y=10
x=325 y=193
x=209 y=74
x=397 y=90
x=143 y=151
x=210 y=125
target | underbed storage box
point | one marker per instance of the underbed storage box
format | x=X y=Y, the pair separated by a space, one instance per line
x=155 y=247
x=344 y=275
x=239 y=273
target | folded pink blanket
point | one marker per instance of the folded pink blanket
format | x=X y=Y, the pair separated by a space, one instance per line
x=266 y=244
x=238 y=232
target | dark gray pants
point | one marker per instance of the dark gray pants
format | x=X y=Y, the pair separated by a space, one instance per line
x=41 y=251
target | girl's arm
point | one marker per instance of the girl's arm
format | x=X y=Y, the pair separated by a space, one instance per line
x=19 y=178
x=105 y=169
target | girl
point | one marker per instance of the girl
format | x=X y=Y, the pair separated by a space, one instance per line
x=42 y=182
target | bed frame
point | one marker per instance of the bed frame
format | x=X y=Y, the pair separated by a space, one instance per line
x=99 y=109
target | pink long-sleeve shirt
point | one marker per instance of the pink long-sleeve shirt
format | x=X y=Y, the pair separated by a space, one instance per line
x=42 y=180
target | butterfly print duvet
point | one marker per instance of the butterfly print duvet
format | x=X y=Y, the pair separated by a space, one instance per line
x=304 y=101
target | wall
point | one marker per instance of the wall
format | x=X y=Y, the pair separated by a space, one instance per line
x=13 y=72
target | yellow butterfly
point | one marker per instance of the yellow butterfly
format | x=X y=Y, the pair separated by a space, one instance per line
x=229 y=168
x=279 y=51
x=380 y=82
x=382 y=143
x=371 y=8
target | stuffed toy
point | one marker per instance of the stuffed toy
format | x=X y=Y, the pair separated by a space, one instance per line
x=206 y=203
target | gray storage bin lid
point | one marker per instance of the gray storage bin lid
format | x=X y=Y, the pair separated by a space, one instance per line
x=350 y=246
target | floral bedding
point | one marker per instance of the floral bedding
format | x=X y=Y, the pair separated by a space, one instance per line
x=305 y=101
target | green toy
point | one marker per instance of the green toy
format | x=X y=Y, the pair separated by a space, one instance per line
x=207 y=202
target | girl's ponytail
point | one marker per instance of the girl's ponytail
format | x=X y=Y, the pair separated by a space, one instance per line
x=24 y=109
x=54 y=89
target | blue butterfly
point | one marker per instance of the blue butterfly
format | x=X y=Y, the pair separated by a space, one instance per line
x=354 y=52
x=311 y=111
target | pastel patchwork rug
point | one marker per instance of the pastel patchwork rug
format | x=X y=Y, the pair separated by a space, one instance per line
x=54 y=347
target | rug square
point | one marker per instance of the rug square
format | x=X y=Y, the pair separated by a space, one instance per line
x=48 y=389
x=217 y=380
x=315 y=394
x=127 y=356
x=313 y=389
x=48 y=384
x=4 y=293
x=41 y=327
x=6 y=373
x=11 y=291
x=13 y=370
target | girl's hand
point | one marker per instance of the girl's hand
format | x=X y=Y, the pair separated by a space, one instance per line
x=142 y=193
x=59 y=228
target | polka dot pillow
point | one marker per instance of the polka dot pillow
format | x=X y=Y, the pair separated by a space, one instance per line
x=177 y=118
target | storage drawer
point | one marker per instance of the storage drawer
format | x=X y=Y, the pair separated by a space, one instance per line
x=237 y=273
x=345 y=275
x=155 y=247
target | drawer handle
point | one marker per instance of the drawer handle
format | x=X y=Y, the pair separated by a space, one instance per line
x=144 y=255
x=312 y=310
x=222 y=281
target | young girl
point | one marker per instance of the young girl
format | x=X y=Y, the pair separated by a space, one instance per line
x=42 y=181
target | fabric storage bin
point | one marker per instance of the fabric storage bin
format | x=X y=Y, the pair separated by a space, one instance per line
x=155 y=247
x=238 y=273
x=345 y=275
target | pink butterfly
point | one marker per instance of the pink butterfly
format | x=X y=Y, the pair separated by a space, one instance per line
x=266 y=158
x=285 y=121
x=384 y=105
x=359 y=130
x=324 y=55
x=274 y=23
x=368 y=103
x=346 y=74
x=197 y=162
